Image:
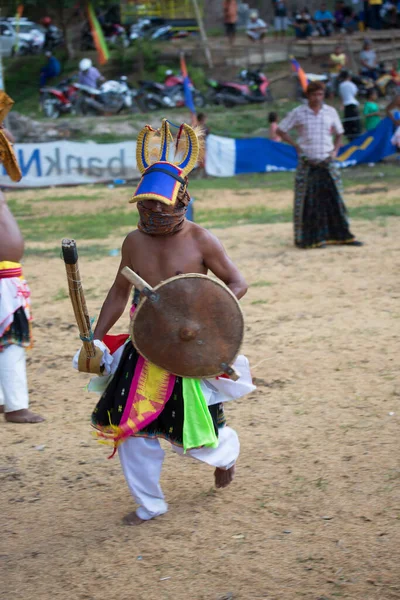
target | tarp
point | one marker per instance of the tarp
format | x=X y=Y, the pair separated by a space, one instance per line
x=226 y=156
x=71 y=163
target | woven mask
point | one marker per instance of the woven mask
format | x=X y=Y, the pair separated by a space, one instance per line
x=161 y=180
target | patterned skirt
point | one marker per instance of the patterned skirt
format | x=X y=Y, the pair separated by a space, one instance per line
x=320 y=215
x=167 y=425
x=19 y=332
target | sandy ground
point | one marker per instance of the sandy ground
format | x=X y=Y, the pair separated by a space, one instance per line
x=315 y=509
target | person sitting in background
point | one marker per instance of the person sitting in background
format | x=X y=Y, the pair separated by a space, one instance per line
x=273 y=127
x=302 y=25
x=348 y=92
x=389 y=14
x=394 y=72
x=338 y=16
x=323 y=19
x=337 y=60
x=88 y=74
x=369 y=61
x=371 y=110
x=52 y=69
x=393 y=110
x=350 y=21
x=256 y=27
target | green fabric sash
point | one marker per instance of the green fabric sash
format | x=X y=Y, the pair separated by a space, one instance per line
x=198 y=427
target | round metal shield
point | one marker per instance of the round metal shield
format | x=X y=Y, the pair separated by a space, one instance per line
x=192 y=326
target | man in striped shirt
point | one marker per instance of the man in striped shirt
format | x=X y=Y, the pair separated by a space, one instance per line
x=319 y=213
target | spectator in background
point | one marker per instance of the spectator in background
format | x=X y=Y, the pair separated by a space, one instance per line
x=371 y=110
x=324 y=20
x=350 y=22
x=302 y=25
x=52 y=69
x=273 y=127
x=375 y=19
x=337 y=60
x=202 y=122
x=369 y=61
x=348 y=92
x=230 y=19
x=388 y=14
x=394 y=72
x=256 y=27
x=88 y=74
x=338 y=15
x=393 y=110
x=280 y=20
x=319 y=212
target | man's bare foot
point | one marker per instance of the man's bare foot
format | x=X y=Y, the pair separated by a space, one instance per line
x=224 y=477
x=22 y=416
x=132 y=519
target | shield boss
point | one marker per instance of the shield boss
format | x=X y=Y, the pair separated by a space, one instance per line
x=192 y=327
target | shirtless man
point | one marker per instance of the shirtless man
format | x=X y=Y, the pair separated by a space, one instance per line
x=164 y=245
x=16 y=335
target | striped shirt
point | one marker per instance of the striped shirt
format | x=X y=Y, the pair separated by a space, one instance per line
x=315 y=129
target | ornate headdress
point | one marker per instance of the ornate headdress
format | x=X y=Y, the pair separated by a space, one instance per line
x=162 y=178
x=7 y=156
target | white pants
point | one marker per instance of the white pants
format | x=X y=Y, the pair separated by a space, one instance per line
x=13 y=382
x=142 y=459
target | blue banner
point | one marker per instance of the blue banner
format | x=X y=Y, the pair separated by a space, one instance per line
x=227 y=156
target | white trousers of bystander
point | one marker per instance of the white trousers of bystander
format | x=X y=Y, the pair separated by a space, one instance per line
x=142 y=458
x=13 y=382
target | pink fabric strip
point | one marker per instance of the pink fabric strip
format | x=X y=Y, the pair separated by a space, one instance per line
x=132 y=390
x=9 y=273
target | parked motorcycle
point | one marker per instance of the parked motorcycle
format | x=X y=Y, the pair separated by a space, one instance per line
x=59 y=99
x=115 y=35
x=153 y=95
x=254 y=87
x=112 y=97
x=29 y=47
x=53 y=38
x=175 y=84
x=325 y=78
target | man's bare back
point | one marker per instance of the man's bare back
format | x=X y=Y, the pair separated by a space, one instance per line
x=11 y=240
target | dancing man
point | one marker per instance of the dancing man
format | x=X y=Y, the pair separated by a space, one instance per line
x=320 y=216
x=15 y=331
x=164 y=245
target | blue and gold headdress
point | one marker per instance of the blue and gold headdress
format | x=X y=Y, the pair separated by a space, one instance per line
x=162 y=179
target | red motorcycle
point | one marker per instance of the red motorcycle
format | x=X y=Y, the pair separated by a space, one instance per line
x=58 y=100
x=254 y=87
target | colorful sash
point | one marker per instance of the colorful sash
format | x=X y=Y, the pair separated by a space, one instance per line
x=150 y=389
x=14 y=300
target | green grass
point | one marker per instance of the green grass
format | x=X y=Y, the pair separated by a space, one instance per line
x=251 y=215
x=89 y=252
x=81 y=227
x=384 y=173
x=101 y=225
x=261 y=284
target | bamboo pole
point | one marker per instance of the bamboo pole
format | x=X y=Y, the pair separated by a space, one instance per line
x=206 y=47
x=70 y=256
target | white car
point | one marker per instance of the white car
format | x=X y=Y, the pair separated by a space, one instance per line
x=29 y=31
x=8 y=39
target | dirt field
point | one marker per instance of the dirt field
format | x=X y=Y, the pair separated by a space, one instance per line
x=314 y=511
